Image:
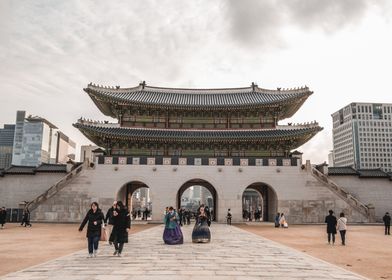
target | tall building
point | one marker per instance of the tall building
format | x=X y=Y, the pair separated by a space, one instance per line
x=37 y=141
x=6 y=145
x=362 y=136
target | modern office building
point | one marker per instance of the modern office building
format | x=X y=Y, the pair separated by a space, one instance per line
x=6 y=145
x=37 y=141
x=362 y=136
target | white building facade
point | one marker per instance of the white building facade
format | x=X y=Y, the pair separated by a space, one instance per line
x=362 y=136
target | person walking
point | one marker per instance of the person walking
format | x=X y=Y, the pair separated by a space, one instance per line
x=228 y=217
x=109 y=222
x=3 y=216
x=331 y=222
x=172 y=235
x=387 y=223
x=342 y=227
x=26 y=218
x=277 y=218
x=121 y=226
x=94 y=218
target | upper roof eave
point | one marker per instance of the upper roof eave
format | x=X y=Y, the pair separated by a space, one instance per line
x=191 y=99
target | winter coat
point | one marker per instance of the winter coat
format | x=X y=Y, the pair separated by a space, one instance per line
x=109 y=216
x=342 y=224
x=121 y=223
x=91 y=217
x=387 y=220
x=3 y=216
x=331 y=222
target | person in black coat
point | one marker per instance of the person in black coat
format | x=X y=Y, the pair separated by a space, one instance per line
x=109 y=221
x=3 y=216
x=387 y=223
x=94 y=217
x=121 y=226
x=26 y=218
x=331 y=222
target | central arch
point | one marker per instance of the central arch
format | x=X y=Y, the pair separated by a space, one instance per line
x=136 y=196
x=205 y=184
x=269 y=200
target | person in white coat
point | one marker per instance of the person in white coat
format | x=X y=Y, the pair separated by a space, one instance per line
x=342 y=227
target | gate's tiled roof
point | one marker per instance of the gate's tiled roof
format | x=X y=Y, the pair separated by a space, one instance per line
x=98 y=130
x=191 y=99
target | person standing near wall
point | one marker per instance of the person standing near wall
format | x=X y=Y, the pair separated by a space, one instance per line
x=3 y=217
x=94 y=217
x=342 y=227
x=387 y=223
x=228 y=217
x=26 y=217
x=331 y=222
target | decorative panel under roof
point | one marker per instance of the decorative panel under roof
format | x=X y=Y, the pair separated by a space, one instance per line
x=286 y=100
x=96 y=132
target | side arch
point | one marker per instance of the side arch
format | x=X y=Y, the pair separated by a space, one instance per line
x=269 y=197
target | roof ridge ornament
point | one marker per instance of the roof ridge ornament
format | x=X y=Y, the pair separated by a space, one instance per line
x=254 y=86
x=143 y=84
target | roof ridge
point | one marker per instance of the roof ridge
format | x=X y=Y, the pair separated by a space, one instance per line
x=252 y=88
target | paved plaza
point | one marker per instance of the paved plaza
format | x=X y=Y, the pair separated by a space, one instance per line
x=232 y=254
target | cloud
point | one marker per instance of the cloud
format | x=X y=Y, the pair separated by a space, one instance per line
x=262 y=22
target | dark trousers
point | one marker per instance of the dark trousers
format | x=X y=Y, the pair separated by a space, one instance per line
x=93 y=242
x=343 y=236
x=119 y=247
x=229 y=221
x=388 y=229
x=329 y=237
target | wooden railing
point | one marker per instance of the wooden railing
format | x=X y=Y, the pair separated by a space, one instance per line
x=54 y=189
x=342 y=193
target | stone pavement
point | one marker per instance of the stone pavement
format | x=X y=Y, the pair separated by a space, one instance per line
x=232 y=254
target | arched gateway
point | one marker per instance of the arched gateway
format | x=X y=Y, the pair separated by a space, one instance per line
x=265 y=202
x=165 y=132
x=212 y=204
x=136 y=196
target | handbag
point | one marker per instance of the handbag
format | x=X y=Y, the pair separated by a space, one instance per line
x=103 y=234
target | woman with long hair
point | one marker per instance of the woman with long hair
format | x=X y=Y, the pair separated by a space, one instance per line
x=201 y=232
x=172 y=235
x=94 y=217
x=121 y=226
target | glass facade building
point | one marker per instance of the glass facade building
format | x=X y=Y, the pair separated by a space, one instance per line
x=362 y=136
x=6 y=145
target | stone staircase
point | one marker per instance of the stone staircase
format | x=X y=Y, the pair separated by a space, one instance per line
x=365 y=210
x=65 y=201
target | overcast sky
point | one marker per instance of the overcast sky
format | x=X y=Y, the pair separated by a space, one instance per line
x=50 y=50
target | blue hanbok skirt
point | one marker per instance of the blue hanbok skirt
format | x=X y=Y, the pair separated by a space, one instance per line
x=173 y=236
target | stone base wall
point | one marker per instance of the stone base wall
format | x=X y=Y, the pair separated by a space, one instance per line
x=17 y=188
x=299 y=195
x=376 y=191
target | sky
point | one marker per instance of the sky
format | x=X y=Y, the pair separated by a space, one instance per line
x=51 y=49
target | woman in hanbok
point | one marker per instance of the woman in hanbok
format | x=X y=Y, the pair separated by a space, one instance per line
x=172 y=234
x=201 y=232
